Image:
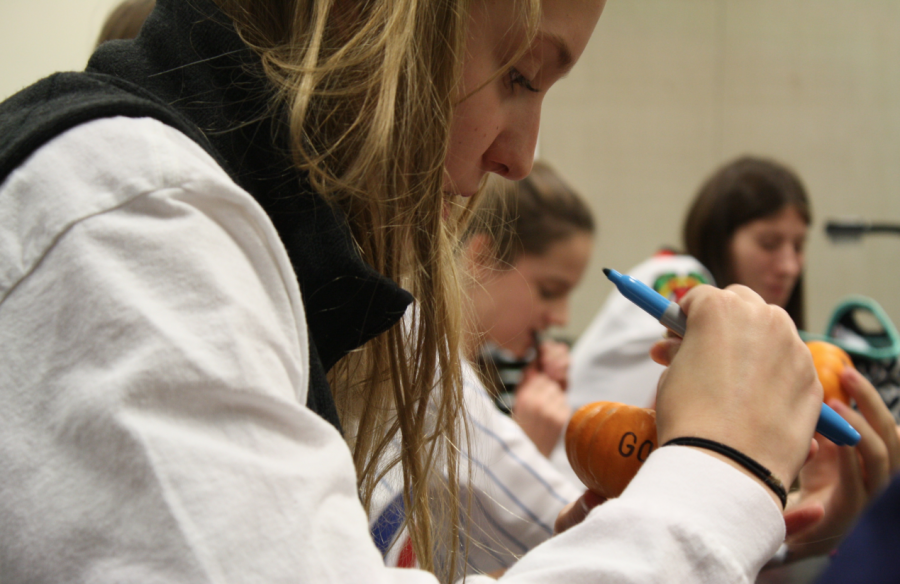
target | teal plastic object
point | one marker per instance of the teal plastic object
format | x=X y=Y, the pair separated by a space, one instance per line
x=860 y=326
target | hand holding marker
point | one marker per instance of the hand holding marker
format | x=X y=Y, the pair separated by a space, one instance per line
x=669 y=314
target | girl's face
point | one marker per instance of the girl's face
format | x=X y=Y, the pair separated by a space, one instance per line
x=512 y=305
x=767 y=254
x=495 y=128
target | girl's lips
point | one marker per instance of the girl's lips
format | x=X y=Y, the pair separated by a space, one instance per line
x=779 y=292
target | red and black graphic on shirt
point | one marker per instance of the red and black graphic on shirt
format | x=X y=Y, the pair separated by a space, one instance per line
x=675 y=286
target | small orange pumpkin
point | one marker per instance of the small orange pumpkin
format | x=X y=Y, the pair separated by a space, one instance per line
x=830 y=360
x=607 y=442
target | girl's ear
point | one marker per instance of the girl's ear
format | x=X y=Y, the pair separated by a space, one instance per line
x=480 y=255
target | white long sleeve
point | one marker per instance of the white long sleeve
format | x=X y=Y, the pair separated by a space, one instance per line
x=153 y=382
x=154 y=376
x=680 y=520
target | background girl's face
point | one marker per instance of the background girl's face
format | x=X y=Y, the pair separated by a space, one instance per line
x=495 y=128
x=512 y=305
x=767 y=254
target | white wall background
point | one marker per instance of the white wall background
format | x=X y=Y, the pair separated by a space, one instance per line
x=667 y=90
x=39 y=37
x=670 y=89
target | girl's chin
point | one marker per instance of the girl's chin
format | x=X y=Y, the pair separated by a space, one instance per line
x=522 y=351
x=450 y=201
x=778 y=298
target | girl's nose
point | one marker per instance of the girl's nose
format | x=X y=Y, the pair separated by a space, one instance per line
x=790 y=261
x=559 y=313
x=512 y=153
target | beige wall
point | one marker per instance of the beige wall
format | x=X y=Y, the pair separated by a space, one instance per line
x=667 y=90
x=39 y=37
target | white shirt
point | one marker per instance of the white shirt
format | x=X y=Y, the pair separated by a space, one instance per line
x=153 y=380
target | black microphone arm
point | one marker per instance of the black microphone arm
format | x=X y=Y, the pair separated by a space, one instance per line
x=853 y=229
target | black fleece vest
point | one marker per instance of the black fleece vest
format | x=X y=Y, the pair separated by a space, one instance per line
x=190 y=70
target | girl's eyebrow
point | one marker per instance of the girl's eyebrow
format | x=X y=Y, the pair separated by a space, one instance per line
x=564 y=59
x=557 y=281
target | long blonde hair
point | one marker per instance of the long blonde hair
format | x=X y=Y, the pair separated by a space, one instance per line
x=369 y=89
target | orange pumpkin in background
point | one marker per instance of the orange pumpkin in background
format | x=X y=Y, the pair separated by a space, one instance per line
x=607 y=442
x=830 y=360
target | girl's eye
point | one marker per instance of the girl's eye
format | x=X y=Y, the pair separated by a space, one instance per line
x=769 y=244
x=550 y=294
x=516 y=78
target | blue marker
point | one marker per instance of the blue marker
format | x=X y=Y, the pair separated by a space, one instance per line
x=669 y=314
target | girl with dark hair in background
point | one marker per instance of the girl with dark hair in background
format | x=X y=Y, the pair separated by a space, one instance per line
x=746 y=225
x=125 y=20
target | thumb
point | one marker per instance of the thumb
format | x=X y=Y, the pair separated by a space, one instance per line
x=576 y=511
x=802 y=518
x=531 y=370
x=663 y=351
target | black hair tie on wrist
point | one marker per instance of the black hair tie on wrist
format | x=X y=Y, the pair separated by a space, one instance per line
x=764 y=474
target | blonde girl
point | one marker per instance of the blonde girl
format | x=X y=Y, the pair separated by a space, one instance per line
x=205 y=236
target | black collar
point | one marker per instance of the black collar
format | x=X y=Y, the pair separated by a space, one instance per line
x=189 y=55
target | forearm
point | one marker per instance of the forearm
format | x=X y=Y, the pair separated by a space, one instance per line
x=686 y=517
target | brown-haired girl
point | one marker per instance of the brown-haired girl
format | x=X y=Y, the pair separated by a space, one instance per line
x=748 y=226
x=125 y=20
x=526 y=249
